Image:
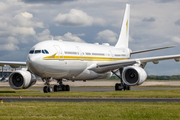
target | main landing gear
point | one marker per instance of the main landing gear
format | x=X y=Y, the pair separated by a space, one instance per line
x=60 y=87
x=121 y=86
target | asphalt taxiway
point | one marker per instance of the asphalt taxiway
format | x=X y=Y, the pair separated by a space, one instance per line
x=94 y=89
x=98 y=88
x=106 y=89
x=45 y=99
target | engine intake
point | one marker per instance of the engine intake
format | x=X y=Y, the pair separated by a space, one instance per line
x=134 y=75
x=21 y=79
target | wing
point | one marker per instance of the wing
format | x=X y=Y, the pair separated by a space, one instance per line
x=109 y=66
x=141 y=51
x=12 y=64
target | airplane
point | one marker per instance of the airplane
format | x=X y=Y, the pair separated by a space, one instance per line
x=57 y=59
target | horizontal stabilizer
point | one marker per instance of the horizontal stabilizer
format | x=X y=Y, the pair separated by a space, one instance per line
x=135 y=52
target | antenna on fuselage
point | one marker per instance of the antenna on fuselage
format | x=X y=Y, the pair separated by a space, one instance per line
x=52 y=38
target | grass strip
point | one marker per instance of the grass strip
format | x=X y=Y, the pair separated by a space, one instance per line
x=170 y=86
x=89 y=111
x=112 y=94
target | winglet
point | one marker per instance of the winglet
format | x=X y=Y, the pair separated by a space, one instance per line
x=124 y=34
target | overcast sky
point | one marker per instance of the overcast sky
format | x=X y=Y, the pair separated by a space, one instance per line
x=153 y=23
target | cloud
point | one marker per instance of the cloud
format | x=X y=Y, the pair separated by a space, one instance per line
x=27 y=15
x=77 y=18
x=8 y=47
x=23 y=31
x=175 y=39
x=46 y=35
x=71 y=37
x=151 y=19
x=107 y=36
x=164 y=1
x=177 y=22
x=25 y=19
x=3 y=6
x=47 y=1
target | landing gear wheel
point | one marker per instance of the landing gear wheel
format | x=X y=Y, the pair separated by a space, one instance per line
x=126 y=87
x=45 y=89
x=67 y=88
x=118 y=87
x=50 y=89
x=55 y=88
x=59 y=88
x=63 y=88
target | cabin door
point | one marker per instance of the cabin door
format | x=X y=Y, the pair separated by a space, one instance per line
x=111 y=55
x=59 y=52
x=81 y=54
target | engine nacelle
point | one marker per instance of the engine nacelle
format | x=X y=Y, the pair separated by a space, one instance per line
x=134 y=75
x=21 y=79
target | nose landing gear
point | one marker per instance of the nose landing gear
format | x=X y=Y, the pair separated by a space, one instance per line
x=47 y=89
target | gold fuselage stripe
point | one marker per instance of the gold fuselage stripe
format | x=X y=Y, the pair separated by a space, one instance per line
x=53 y=57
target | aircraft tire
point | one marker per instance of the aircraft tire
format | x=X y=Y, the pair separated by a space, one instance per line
x=128 y=87
x=63 y=88
x=118 y=87
x=55 y=88
x=45 y=89
x=50 y=89
x=67 y=88
x=124 y=87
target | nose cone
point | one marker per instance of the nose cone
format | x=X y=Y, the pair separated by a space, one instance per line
x=32 y=59
x=33 y=62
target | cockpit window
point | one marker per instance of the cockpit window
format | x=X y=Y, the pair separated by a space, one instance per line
x=46 y=51
x=43 y=52
x=31 y=51
x=37 y=51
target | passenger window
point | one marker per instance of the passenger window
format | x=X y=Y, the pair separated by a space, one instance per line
x=37 y=51
x=46 y=51
x=31 y=51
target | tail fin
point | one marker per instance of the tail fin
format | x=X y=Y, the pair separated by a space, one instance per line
x=124 y=34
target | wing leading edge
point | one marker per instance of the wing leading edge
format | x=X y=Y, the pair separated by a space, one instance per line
x=148 y=50
x=109 y=66
x=12 y=64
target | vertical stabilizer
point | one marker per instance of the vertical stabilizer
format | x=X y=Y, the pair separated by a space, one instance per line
x=124 y=34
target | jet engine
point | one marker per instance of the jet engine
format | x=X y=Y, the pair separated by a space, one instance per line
x=21 y=79
x=134 y=75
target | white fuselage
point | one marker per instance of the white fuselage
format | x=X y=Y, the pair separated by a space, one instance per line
x=71 y=60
